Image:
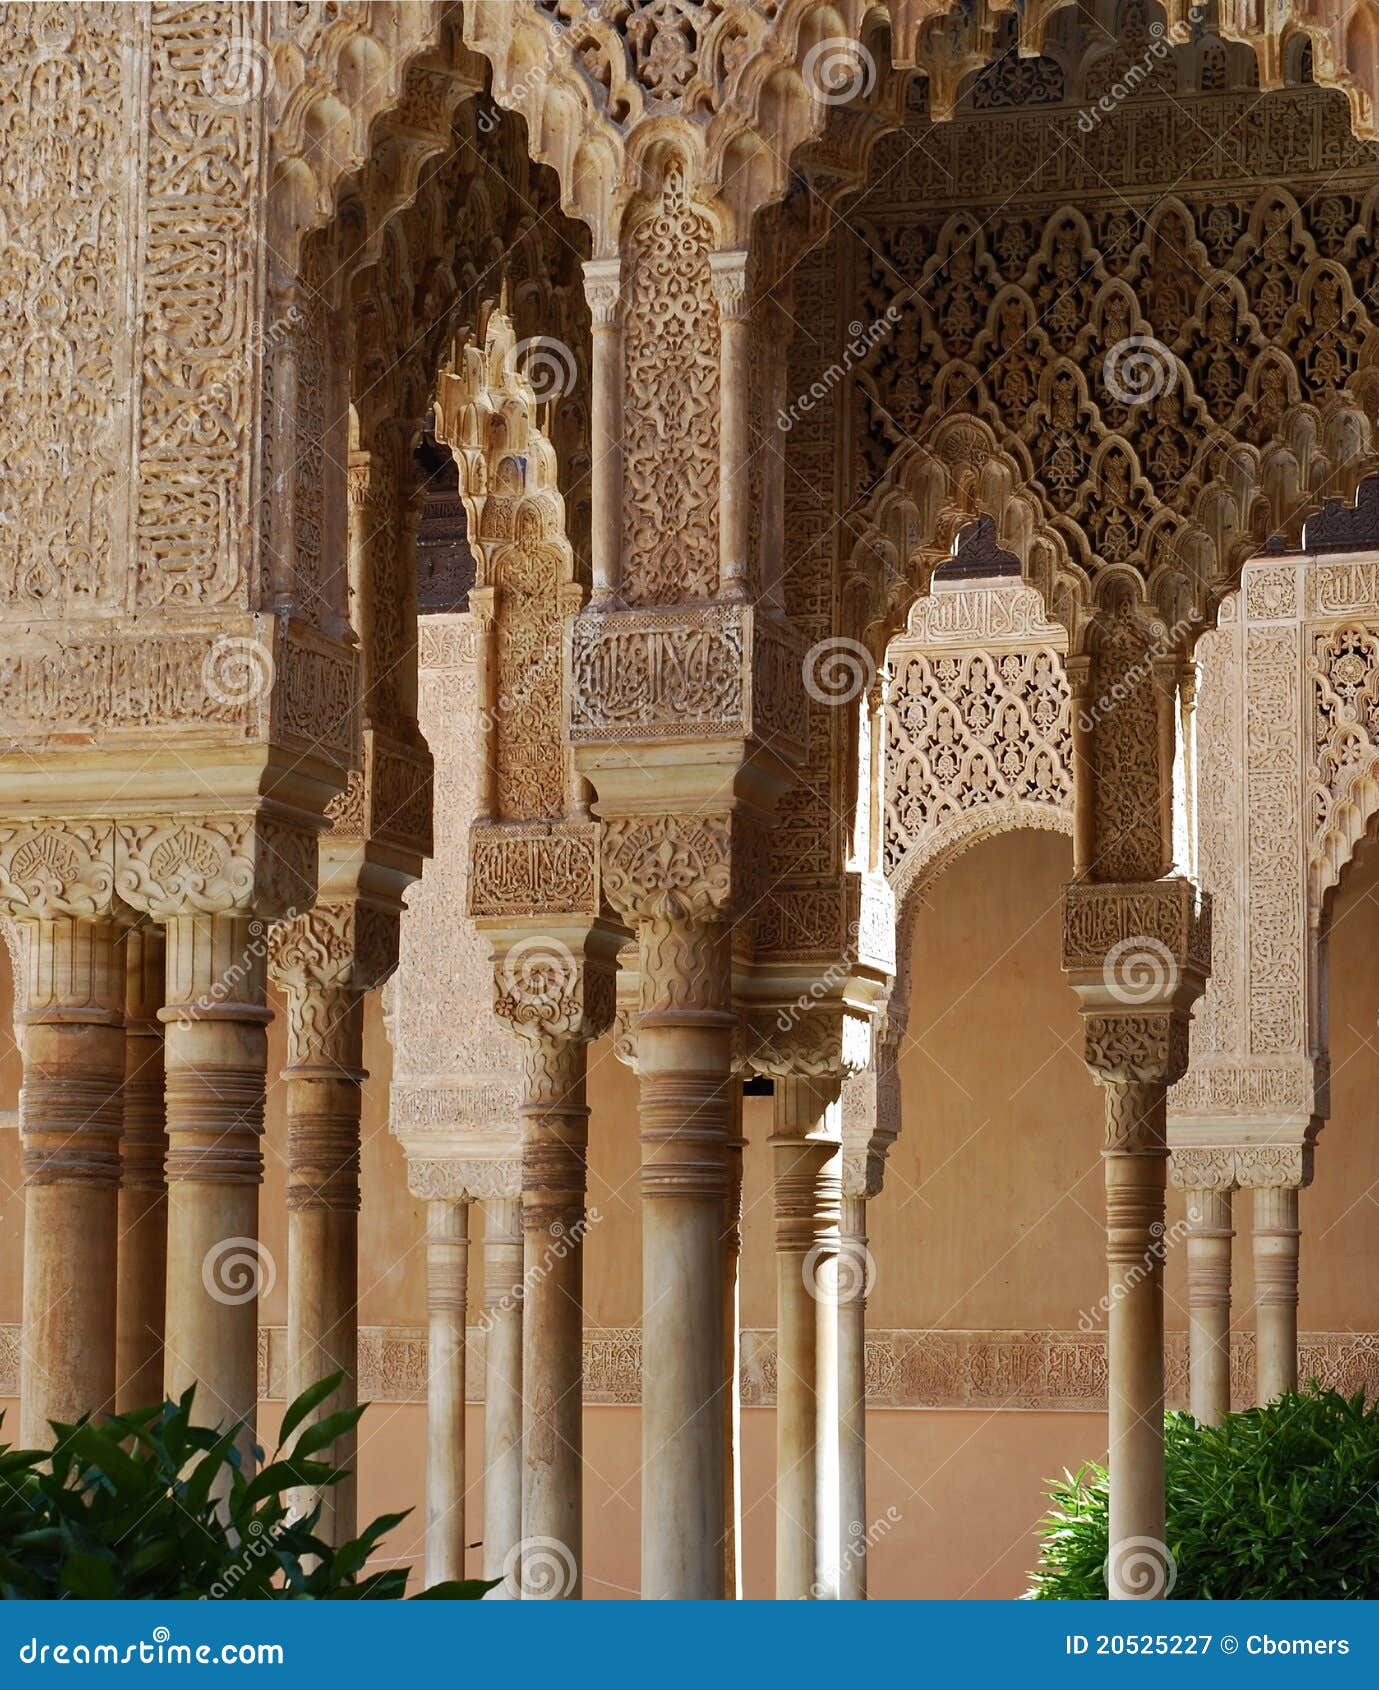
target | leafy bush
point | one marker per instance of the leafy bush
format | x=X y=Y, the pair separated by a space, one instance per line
x=1279 y=1501
x=150 y=1504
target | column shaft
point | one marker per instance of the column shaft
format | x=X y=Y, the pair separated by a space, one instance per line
x=70 y=1114
x=1135 y=1168
x=216 y=1056
x=852 y=1400
x=447 y=1274
x=684 y=1059
x=323 y=1115
x=502 y=1382
x=554 y=1155
x=1209 y=1238
x=1275 y=1243
x=141 y=1297
x=732 y=1357
x=808 y=1194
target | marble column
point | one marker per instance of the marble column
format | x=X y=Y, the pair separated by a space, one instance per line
x=853 y=1265
x=684 y=1056
x=502 y=1382
x=447 y=1281
x=141 y=1297
x=1135 y=1162
x=554 y=1153
x=602 y=285
x=70 y=1117
x=807 y=1152
x=1275 y=1242
x=1209 y=1238
x=732 y=1355
x=323 y=1078
x=216 y=1055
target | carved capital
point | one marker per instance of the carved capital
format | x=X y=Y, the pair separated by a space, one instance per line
x=603 y=290
x=55 y=868
x=814 y=1041
x=552 y=984
x=729 y=271
x=215 y=865
x=1137 y=1047
x=669 y=868
x=468 y=1179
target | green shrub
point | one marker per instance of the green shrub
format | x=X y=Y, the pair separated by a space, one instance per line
x=150 y=1504
x=1280 y=1501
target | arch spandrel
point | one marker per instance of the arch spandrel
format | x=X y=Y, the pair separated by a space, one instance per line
x=978 y=739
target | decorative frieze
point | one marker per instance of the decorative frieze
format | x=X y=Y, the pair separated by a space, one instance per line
x=1039 y=1372
x=531 y=868
x=717 y=671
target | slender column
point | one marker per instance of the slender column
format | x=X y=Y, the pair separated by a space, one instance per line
x=323 y=1076
x=216 y=1057
x=447 y=1278
x=1135 y=1162
x=70 y=1115
x=732 y=1356
x=734 y=429
x=502 y=1382
x=143 y=1205
x=1275 y=1241
x=1209 y=1238
x=554 y=1172
x=602 y=286
x=852 y=1399
x=684 y=1058
x=807 y=1149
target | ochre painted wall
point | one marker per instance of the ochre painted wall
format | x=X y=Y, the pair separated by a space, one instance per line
x=991 y=1218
